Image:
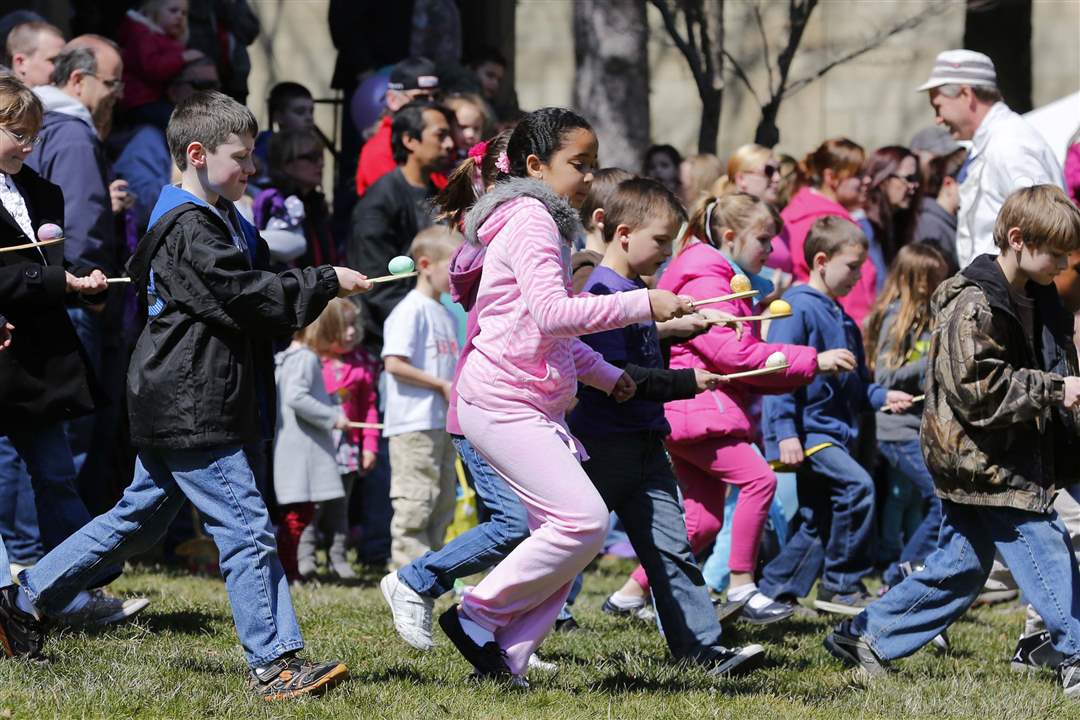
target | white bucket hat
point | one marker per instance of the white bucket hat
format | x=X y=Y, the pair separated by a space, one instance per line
x=961 y=67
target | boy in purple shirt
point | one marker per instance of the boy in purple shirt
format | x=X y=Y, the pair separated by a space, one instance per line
x=627 y=462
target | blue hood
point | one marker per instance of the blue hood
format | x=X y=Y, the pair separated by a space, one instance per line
x=826 y=410
x=173 y=196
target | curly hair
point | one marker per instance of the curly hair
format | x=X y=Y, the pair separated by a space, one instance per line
x=541 y=133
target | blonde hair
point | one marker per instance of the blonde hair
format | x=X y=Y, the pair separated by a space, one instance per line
x=459 y=100
x=25 y=37
x=436 y=243
x=330 y=326
x=151 y=8
x=915 y=273
x=746 y=158
x=1046 y=218
x=20 y=108
x=736 y=211
x=702 y=172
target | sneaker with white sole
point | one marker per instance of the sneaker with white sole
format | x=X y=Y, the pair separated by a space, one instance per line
x=1035 y=651
x=735 y=661
x=411 y=611
x=1069 y=675
x=643 y=612
x=102 y=609
x=848 y=646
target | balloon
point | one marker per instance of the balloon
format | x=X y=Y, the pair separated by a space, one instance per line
x=367 y=102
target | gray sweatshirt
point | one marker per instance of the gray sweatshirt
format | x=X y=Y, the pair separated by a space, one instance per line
x=909 y=377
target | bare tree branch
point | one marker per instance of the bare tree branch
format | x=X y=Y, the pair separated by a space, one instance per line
x=741 y=74
x=766 y=52
x=872 y=42
x=680 y=42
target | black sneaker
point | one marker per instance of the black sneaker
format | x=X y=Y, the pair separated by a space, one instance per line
x=1069 y=675
x=736 y=661
x=845 y=603
x=489 y=660
x=643 y=612
x=21 y=634
x=850 y=648
x=567 y=625
x=291 y=676
x=1035 y=651
x=768 y=614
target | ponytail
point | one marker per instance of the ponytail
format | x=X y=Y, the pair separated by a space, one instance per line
x=471 y=178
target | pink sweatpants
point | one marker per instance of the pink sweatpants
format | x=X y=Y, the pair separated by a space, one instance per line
x=702 y=469
x=522 y=595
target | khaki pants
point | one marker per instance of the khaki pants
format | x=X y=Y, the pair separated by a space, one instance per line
x=423 y=484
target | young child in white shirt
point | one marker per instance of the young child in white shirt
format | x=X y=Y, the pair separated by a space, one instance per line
x=420 y=351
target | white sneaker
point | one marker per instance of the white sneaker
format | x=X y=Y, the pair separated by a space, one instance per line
x=411 y=611
x=535 y=663
x=103 y=609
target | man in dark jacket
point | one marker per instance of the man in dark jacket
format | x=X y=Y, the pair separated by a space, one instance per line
x=397 y=207
x=86 y=85
x=201 y=386
x=999 y=435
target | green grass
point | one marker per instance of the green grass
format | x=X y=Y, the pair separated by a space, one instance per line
x=180 y=659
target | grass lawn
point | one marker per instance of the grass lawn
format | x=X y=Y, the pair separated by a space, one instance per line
x=180 y=659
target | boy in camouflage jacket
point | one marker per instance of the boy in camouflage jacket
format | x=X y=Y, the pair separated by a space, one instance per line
x=997 y=434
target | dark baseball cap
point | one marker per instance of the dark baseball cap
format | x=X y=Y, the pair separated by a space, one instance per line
x=414 y=73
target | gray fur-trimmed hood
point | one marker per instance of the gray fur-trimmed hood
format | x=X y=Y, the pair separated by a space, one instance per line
x=565 y=217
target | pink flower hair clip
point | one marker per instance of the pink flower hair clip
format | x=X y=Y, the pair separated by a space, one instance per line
x=477 y=151
x=503 y=163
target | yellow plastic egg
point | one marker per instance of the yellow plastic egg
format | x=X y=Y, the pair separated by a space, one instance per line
x=779 y=307
x=740 y=283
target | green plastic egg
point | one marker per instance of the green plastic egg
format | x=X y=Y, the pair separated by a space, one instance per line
x=401 y=265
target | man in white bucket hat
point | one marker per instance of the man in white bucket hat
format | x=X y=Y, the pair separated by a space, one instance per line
x=1006 y=152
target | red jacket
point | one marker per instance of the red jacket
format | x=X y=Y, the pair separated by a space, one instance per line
x=377 y=159
x=151 y=60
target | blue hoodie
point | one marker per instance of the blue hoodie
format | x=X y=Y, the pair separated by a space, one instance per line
x=827 y=409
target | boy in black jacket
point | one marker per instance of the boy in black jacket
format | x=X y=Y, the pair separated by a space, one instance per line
x=200 y=386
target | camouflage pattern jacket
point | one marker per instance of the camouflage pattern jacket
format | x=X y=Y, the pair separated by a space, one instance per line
x=994 y=431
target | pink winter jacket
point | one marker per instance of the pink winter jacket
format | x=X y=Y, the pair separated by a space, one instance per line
x=702 y=272
x=806 y=207
x=527 y=351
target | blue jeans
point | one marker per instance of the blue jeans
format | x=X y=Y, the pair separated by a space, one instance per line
x=220 y=484
x=633 y=475
x=477 y=549
x=1036 y=548
x=371 y=498
x=906 y=458
x=18 y=517
x=835 y=538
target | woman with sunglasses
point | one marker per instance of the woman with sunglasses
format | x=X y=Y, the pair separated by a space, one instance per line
x=892 y=195
x=291 y=212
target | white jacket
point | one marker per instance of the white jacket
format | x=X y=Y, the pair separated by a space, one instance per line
x=1007 y=153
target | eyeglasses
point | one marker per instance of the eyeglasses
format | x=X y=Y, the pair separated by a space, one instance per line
x=26 y=142
x=114 y=85
x=769 y=170
x=912 y=179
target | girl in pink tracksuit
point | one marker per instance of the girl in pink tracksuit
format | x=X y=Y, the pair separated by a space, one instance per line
x=712 y=435
x=522 y=375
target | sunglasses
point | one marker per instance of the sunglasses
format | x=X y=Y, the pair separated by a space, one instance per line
x=912 y=179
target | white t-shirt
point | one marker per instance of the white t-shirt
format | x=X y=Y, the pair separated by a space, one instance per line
x=423 y=332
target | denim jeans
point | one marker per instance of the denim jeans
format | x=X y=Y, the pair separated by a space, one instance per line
x=370 y=503
x=219 y=482
x=1035 y=546
x=18 y=517
x=906 y=458
x=835 y=537
x=477 y=549
x=633 y=475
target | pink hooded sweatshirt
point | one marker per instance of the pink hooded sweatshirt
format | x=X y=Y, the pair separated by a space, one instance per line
x=806 y=207
x=701 y=271
x=527 y=350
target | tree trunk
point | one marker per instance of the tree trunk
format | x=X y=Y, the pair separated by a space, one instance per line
x=611 y=86
x=1002 y=30
x=711 y=105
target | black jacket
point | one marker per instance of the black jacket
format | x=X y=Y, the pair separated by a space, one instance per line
x=203 y=370
x=384 y=223
x=44 y=375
